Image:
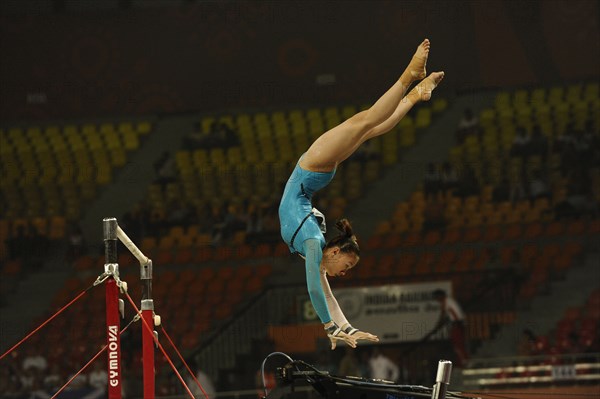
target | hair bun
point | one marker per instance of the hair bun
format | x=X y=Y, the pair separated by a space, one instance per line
x=346 y=241
x=345 y=227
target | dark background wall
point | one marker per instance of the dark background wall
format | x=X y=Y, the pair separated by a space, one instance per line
x=200 y=56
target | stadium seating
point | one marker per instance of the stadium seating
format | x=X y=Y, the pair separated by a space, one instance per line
x=47 y=174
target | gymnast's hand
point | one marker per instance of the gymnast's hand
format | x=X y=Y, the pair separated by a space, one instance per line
x=336 y=334
x=359 y=335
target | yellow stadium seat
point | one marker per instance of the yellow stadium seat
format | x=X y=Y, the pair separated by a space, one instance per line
x=538 y=97
x=555 y=95
x=439 y=105
x=487 y=117
x=521 y=98
x=423 y=118
x=502 y=100
x=590 y=92
x=573 y=93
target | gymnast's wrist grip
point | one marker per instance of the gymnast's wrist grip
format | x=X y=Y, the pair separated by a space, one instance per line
x=333 y=329
x=350 y=330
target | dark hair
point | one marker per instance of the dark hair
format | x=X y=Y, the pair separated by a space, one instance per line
x=346 y=240
x=438 y=294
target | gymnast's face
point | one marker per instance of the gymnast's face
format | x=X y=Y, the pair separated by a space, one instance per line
x=337 y=263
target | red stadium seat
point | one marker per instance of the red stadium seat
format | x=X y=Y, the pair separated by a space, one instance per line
x=533 y=230
x=594 y=227
x=554 y=228
x=472 y=234
x=492 y=233
x=432 y=237
x=576 y=227
x=84 y=263
x=374 y=242
x=513 y=232
x=451 y=236
x=203 y=254
x=262 y=251
x=183 y=256
x=391 y=240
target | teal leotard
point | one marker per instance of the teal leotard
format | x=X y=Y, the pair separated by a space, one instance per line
x=301 y=231
x=298 y=223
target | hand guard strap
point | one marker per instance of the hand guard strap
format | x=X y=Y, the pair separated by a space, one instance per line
x=351 y=330
x=333 y=330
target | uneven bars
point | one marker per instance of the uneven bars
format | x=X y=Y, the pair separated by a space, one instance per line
x=143 y=259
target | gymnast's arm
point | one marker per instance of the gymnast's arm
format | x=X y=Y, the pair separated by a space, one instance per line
x=338 y=315
x=313 y=256
x=332 y=303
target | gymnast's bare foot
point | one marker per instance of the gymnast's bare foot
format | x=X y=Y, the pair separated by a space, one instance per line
x=416 y=69
x=422 y=91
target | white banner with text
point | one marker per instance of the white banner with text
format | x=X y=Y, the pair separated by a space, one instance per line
x=395 y=313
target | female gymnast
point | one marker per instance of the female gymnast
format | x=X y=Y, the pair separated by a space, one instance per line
x=302 y=226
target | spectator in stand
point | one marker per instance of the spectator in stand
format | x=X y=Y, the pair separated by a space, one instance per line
x=501 y=191
x=230 y=137
x=33 y=359
x=580 y=200
x=158 y=164
x=521 y=144
x=157 y=222
x=217 y=216
x=179 y=214
x=363 y=364
x=574 y=343
x=270 y=232
x=54 y=378
x=584 y=152
x=592 y=136
x=98 y=377
x=538 y=144
x=18 y=243
x=4 y=379
x=324 y=362
x=165 y=169
x=434 y=215
x=349 y=364
x=206 y=384
x=432 y=182
x=538 y=188
x=76 y=243
x=215 y=137
x=527 y=343
x=220 y=135
x=27 y=378
x=37 y=388
x=517 y=187
x=254 y=218
x=233 y=221
x=448 y=177
x=382 y=367
x=450 y=311
x=81 y=381
x=204 y=217
x=565 y=146
x=467 y=126
x=468 y=185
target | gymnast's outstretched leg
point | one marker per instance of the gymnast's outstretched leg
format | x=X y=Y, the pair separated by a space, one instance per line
x=337 y=144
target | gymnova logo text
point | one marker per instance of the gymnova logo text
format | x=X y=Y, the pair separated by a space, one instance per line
x=113 y=356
